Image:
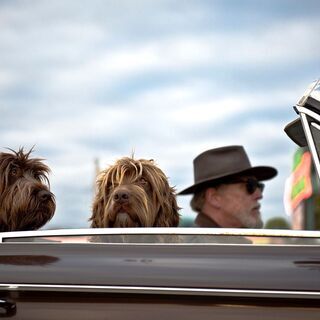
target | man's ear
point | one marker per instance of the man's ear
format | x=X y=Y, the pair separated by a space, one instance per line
x=212 y=197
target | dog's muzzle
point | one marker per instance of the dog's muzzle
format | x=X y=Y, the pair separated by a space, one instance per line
x=121 y=197
x=45 y=196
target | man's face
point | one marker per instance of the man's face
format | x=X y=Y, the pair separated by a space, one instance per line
x=240 y=208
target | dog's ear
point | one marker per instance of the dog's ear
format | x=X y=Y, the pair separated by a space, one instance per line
x=168 y=214
x=4 y=171
x=98 y=204
x=97 y=212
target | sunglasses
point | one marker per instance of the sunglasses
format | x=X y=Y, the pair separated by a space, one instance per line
x=251 y=184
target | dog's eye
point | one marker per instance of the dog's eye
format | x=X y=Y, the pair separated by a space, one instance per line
x=143 y=181
x=14 y=172
x=110 y=187
x=38 y=177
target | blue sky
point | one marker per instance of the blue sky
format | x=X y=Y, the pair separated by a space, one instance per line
x=82 y=80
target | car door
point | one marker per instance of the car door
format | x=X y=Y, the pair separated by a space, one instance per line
x=91 y=276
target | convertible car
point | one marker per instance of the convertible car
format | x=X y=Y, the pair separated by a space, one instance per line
x=160 y=273
x=167 y=273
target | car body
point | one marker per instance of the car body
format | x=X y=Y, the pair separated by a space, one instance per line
x=160 y=273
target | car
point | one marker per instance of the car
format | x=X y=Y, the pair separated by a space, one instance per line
x=167 y=273
x=160 y=273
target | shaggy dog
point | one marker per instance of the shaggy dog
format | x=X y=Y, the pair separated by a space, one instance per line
x=134 y=193
x=26 y=202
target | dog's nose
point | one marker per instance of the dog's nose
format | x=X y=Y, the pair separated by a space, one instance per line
x=44 y=195
x=121 y=196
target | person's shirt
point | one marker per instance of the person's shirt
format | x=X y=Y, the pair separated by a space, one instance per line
x=203 y=221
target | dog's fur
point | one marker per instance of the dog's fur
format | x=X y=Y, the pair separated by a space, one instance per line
x=26 y=202
x=134 y=193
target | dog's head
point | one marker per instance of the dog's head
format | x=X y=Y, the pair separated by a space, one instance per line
x=26 y=202
x=134 y=193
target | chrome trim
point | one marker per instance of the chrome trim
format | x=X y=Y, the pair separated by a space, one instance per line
x=163 y=290
x=169 y=231
x=308 y=92
x=308 y=112
x=303 y=112
x=171 y=244
x=311 y=143
x=313 y=124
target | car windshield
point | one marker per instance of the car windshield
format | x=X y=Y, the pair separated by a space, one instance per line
x=159 y=236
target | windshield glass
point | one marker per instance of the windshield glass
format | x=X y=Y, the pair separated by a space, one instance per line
x=160 y=239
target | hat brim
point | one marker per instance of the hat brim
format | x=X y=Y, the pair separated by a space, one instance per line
x=261 y=173
x=295 y=132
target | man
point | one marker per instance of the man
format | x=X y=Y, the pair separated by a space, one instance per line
x=227 y=189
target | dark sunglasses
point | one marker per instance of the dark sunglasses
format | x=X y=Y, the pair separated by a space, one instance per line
x=251 y=184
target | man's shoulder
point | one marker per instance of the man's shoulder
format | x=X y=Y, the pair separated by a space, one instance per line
x=203 y=221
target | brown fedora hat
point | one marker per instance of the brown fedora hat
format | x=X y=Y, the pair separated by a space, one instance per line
x=215 y=164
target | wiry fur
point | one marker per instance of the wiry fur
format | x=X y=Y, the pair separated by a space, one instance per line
x=26 y=202
x=134 y=193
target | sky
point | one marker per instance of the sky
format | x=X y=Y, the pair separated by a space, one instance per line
x=95 y=80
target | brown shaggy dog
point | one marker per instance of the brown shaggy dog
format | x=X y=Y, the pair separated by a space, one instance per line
x=134 y=193
x=26 y=202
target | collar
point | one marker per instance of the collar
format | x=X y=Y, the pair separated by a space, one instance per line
x=203 y=221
